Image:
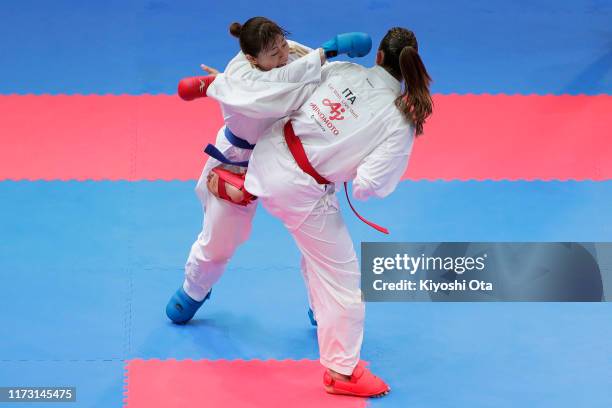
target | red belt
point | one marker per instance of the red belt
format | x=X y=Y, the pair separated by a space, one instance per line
x=297 y=151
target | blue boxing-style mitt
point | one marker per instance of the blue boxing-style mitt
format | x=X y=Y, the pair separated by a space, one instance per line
x=353 y=44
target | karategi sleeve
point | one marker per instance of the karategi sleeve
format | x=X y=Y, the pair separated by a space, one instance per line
x=381 y=170
x=273 y=97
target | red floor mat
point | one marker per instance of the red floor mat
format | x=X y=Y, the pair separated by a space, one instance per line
x=230 y=384
x=161 y=137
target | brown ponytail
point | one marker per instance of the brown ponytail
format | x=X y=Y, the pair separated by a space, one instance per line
x=415 y=102
x=402 y=60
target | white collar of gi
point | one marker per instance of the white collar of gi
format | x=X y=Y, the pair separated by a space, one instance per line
x=386 y=78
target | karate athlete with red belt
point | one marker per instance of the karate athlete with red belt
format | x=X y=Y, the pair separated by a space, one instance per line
x=281 y=76
x=358 y=125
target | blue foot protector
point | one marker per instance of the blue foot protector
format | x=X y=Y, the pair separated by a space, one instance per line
x=181 y=307
x=311 y=316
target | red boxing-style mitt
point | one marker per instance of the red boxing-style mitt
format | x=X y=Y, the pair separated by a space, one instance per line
x=194 y=87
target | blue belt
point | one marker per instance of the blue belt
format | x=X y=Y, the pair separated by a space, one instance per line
x=215 y=153
x=236 y=141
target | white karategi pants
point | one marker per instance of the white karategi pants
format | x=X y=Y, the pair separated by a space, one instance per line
x=224 y=228
x=329 y=265
x=332 y=275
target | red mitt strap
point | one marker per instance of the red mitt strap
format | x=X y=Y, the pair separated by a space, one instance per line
x=226 y=179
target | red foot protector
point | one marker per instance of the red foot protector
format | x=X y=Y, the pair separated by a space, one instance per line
x=162 y=137
x=230 y=384
x=361 y=384
x=228 y=185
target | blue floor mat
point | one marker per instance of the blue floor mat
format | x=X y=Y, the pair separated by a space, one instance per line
x=99 y=383
x=98 y=278
x=144 y=46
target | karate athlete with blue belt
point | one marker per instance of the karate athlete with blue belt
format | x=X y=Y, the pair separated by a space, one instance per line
x=269 y=71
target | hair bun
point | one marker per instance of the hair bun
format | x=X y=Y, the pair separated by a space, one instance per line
x=235 y=29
